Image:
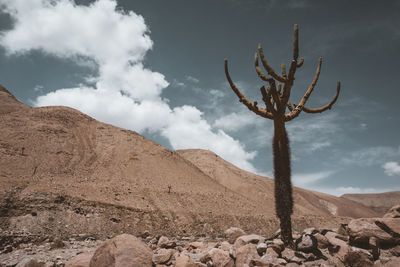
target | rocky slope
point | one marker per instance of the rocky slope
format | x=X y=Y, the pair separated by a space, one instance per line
x=380 y=203
x=65 y=174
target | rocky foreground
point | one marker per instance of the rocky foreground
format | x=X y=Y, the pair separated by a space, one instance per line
x=363 y=242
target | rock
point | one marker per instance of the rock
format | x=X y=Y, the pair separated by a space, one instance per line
x=261 y=248
x=184 y=261
x=162 y=256
x=225 y=246
x=322 y=241
x=393 y=262
x=337 y=246
x=245 y=254
x=272 y=253
x=80 y=260
x=164 y=242
x=394 y=212
x=28 y=262
x=385 y=230
x=310 y=231
x=306 y=243
x=122 y=250
x=199 y=245
x=220 y=258
x=57 y=243
x=357 y=258
x=233 y=233
x=395 y=251
x=247 y=239
x=277 y=245
x=260 y=263
x=290 y=256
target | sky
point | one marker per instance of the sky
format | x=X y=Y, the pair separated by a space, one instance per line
x=156 y=67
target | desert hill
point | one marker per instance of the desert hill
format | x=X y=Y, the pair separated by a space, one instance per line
x=64 y=173
x=380 y=202
x=260 y=189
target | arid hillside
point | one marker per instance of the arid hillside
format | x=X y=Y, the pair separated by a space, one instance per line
x=380 y=203
x=64 y=173
x=260 y=189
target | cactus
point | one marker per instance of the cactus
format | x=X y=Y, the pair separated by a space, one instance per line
x=276 y=98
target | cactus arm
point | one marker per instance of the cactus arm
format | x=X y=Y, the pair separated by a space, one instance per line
x=300 y=63
x=296 y=111
x=259 y=111
x=326 y=107
x=296 y=43
x=289 y=106
x=283 y=68
x=268 y=67
x=258 y=69
x=266 y=96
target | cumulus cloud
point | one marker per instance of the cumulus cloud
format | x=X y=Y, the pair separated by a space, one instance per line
x=371 y=156
x=124 y=93
x=236 y=121
x=391 y=168
x=307 y=179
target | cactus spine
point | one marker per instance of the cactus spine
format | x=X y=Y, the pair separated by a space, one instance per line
x=276 y=98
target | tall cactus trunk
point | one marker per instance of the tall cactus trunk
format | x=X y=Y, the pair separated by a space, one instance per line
x=283 y=186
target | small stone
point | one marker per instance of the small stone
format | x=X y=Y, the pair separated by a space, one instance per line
x=28 y=262
x=310 y=231
x=233 y=233
x=261 y=248
x=322 y=241
x=162 y=256
x=357 y=259
x=225 y=246
x=164 y=242
x=306 y=243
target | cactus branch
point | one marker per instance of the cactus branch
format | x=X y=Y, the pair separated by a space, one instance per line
x=300 y=62
x=266 y=96
x=258 y=69
x=259 y=111
x=283 y=67
x=296 y=43
x=268 y=67
x=293 y=114
x=326 y=107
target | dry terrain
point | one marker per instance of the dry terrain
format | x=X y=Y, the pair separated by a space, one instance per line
x=64 y=174
x=380 y=203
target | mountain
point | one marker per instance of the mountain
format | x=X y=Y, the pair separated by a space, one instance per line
x=64 y=173
x=380 y=203
x=260 y=189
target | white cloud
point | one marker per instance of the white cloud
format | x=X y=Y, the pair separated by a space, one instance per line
x=189 y=130
x=391 y=168
x=308 y=179
x=237 y=121
x=192 y=79
x=124 y=93
x=371 y=156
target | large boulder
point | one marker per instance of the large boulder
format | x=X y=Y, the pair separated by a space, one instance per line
x=122 y=251
x=385 y=230
x=184 y=261
x=245 y=254
x=81 y=260
x=233 y=233
x=394 y=212
x=337 y=246
x=358 y=258
x=221 y=258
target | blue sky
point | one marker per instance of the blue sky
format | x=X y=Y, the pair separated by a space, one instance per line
x=156 y=67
